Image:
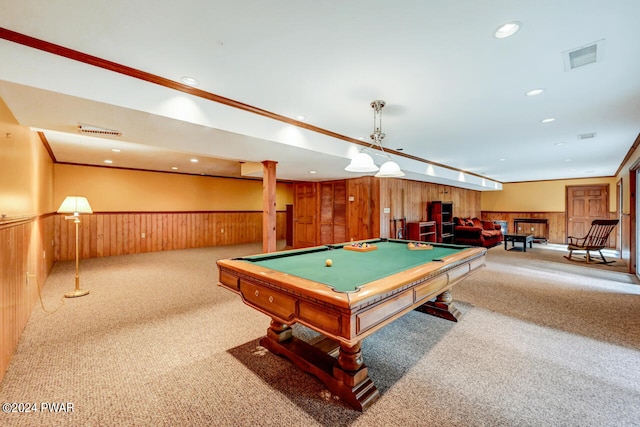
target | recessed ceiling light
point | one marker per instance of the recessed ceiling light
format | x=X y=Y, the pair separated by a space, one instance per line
x=568 y=160
x=301 y=117
x=108 y=161
x=549 y=120
x=115 y=150
x=194 y=160
x=534 y=92
x=502 y=159
x=175 y=168
x=312 y=172
x=507 y=30
x=190 y=81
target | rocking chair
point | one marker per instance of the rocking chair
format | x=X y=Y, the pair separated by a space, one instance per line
x=595 y=240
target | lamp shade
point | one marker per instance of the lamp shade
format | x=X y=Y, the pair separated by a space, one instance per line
x=75 y=205
x=361 y=163
x=389 y=170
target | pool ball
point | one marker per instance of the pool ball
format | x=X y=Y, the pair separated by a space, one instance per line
x=328 y=263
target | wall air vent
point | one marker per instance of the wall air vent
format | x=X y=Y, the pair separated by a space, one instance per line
x=587 y=135
x=583 y=55
x=96 y=130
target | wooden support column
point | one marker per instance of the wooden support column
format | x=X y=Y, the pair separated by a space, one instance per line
x=269 y=206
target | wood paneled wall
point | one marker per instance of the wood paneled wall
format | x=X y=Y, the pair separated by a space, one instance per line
x=30 y=246
x=336 y=211
x=557 y=222
x=26 y=256
x=366 y=199
x=408 y=199
x=625 y=241
x=363 y=208
x=123 y=233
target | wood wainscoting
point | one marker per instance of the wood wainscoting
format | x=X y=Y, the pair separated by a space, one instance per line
x=26 y=256
x=555 y=222
x=29 y=247
x=124 y=233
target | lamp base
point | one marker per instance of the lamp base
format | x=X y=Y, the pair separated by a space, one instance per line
x=76 y=293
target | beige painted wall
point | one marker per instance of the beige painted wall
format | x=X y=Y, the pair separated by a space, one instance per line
x=26 y=170
x=539 y=196
x=119 y=190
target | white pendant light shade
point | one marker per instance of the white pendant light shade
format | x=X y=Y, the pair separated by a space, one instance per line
x=361 y=163
x=389 y=170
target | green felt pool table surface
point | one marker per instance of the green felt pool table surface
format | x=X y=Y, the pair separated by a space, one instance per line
x=351 y=269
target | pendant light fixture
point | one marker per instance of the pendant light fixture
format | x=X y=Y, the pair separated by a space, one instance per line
x=363 y=161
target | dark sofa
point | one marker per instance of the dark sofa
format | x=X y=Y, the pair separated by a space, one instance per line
x=475 y=232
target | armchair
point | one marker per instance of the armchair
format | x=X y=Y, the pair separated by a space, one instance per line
x=476 y=232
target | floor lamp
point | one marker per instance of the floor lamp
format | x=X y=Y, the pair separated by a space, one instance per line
x=76 y=205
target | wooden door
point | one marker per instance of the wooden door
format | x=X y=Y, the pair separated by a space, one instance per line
x=304 y=215
x=333 y=204
x=584 y=204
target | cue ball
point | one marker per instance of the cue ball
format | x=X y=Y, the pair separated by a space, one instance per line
x=328 y=263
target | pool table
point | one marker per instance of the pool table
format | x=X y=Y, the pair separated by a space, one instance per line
x=363 y=290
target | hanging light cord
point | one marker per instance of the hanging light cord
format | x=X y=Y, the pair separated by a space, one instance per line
x=377 y=134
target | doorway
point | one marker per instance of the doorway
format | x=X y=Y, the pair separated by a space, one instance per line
x=304 y=215
x=584 y=204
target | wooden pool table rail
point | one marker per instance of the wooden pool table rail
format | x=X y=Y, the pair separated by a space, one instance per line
x=345 y=319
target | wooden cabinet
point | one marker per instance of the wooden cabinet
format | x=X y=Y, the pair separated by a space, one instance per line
x=424 y=231
x=442 y=214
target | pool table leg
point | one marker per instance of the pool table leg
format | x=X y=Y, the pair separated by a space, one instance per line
x=353 y=383
x=442 y=307
x=279 y=332
x=345 y=376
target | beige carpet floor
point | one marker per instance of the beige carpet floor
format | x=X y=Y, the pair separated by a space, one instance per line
x=541 y=342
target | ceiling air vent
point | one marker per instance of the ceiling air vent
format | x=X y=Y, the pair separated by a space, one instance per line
x=96 y=130
x=587 y=135
x=583 y=55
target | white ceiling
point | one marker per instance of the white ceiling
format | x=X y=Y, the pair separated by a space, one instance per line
x=455 y=94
